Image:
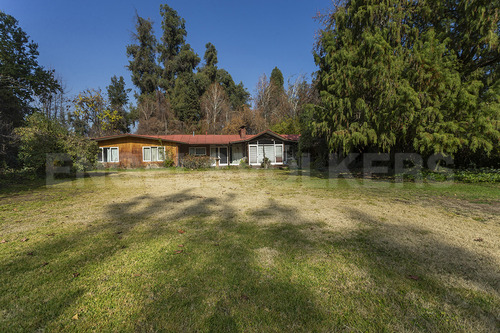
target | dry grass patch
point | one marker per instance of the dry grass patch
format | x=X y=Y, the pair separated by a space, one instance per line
x=248 y=250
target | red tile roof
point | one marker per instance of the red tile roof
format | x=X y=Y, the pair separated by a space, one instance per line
x=291 y=137
x=201 y=139
x=210 y=139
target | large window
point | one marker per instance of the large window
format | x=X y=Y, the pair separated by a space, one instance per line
x=257 y=153
x=237 y=153
x=219 y=153
x=197 y=151
x=253 y=154
x=279 y=153
x=153 y=154
x=108 y=155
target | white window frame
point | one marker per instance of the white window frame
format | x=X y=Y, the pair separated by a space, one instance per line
x=250 y=161
x=217 y=153
x=260 y=146
x=195 y=152
x=109 y=154
x=236 y=162
x=282 y=146
x=151 y=154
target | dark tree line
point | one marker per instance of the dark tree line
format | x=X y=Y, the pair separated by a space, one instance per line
x=173 y=84
x=38 y=120
x=23 y=82
x=409 y=76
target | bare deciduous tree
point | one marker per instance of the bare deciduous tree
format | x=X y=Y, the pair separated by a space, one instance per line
x=270 y=101
x=215 y=106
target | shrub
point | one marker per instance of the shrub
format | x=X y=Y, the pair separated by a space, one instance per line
x=292 y=163
x=81 y=151
x=16 y=176
x=244 y=163
x=197 y=162
x=484 y=175
x=169 y=160
x=44 y=140
x=266 y=163
x=40 y=137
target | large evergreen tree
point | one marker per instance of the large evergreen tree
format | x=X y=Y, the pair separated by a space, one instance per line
x=276 y=78
x=271 y=99
x=172 y=42
x=118 y=99
x=185 y=99
x=237 y=93
x=409 y=76
x=170 y=91
x=209 y=73
x=143 y=53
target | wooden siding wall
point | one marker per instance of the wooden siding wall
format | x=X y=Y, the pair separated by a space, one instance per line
x=130 y=151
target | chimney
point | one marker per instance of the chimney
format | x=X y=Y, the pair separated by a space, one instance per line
x=243 y=132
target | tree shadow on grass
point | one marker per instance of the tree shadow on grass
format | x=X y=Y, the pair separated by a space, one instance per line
x=408 y=260
x=51 y=272
x=266 y=269
x=11 y=186
x=250 y=272
x=431 y=254
x=218 y=284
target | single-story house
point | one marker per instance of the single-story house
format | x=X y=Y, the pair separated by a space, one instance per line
x=132 y=150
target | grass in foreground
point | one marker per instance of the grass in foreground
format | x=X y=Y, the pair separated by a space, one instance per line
x=248 y=251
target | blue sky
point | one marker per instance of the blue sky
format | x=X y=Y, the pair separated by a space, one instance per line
x=85 y=41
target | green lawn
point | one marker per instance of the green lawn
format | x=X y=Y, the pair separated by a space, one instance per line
x=248 y=250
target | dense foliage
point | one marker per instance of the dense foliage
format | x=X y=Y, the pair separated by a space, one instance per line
x=484 y=175
x=94 y=116
x=44 y=143
x=196 y=162
x=171 y=90
x=118 y=99
x=22 y=81
x=409 y=76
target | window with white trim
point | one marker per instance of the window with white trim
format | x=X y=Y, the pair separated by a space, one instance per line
x=197 y=151
x=108 y=155
x=253 y=154
x=220 y=153
x=237 y=153
x=257 y=153
x=153 y=154
x=279 y=153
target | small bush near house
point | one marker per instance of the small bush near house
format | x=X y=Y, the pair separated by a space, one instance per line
x=292 y=163
x=266 y=163
x=169 y=160
x=244 y=163
x=197 y=162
